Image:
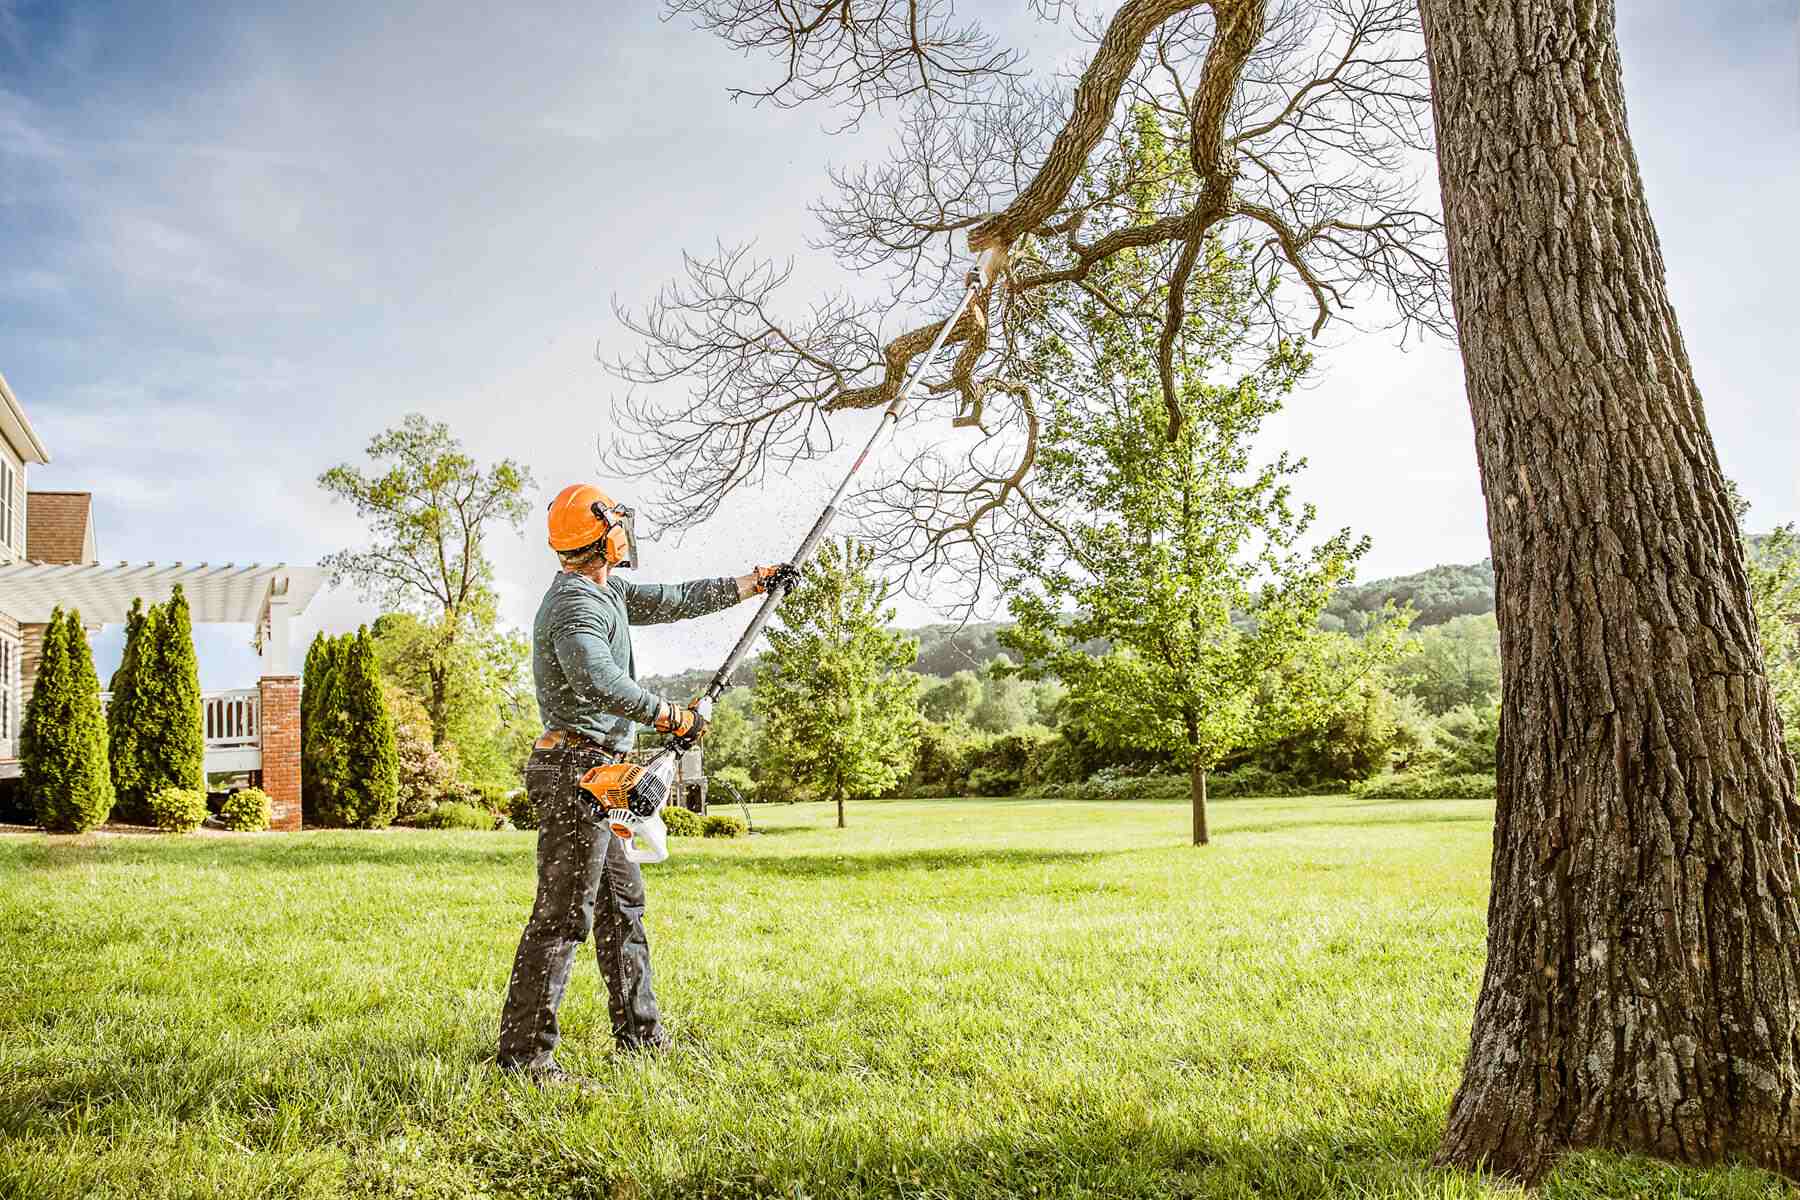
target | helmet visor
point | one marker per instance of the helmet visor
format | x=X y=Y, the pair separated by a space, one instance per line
x=621 y=533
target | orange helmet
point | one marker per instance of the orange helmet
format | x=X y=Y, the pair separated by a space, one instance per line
x=582 y=515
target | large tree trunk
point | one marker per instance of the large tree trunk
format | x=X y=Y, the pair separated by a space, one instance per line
x=1643 y=978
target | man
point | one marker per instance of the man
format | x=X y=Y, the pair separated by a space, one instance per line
x=591 y=705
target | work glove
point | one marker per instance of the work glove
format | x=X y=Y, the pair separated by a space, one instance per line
x=682 y=721
x=782 y=576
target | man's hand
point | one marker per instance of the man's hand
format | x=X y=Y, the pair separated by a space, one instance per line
x=782 y=576
x=683 y=722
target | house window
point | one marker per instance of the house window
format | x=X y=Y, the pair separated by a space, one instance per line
x=9 y=693
x=8 y=482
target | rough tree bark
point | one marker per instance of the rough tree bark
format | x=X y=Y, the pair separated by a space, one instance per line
x=1642 y=990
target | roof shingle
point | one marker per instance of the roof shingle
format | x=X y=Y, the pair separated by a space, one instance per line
x=56 y=526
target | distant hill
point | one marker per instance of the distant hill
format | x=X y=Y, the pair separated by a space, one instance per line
x=943 y=651
x=1437 y=594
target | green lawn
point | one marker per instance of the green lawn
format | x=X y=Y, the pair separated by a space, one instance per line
x=949 y=999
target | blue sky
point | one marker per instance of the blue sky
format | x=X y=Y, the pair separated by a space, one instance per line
x=238 y=239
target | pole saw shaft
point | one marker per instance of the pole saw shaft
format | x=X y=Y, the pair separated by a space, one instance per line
x=890 y=420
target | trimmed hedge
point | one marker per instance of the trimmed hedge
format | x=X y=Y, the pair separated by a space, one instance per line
x=63 y=742
x=722 y=825
x=1426 y=785
x=245 y=811
x=521 y=811
x=454 y=814
x=178 y=810
x=681 y=822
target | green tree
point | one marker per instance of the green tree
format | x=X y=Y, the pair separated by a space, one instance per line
x=1166 y=542
x=1453 y=664
x=488 y=698
x=1007 y=701
x=1773 y=563
x=315 y=683
x=62 y=742
x=374 y=756
x=952 y=701
x=429 y=513
x=125 y=720
x=171 y=738
x=838 y=704
x=325 y=730
x=356 y=753
x=733 y=735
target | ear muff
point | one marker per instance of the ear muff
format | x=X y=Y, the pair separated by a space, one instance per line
x=621 y=548
x=621 y=534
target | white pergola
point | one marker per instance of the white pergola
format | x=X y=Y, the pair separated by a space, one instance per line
x=263 y=596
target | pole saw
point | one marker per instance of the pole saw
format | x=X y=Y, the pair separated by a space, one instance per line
x=631 y=795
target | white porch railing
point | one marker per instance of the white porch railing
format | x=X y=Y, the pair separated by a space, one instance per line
x=231 y=723
x=232 y=719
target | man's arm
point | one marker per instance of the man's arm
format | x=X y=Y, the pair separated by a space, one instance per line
x=598 y=681
x=657 y=603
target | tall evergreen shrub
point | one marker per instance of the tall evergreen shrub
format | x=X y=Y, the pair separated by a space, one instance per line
x=171 y=740
x=356 y=755
x=124 y=717
x=62 y=744
x=315 y=682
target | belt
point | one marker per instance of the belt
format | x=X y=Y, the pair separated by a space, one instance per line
x=567 y=742
x=563 y=739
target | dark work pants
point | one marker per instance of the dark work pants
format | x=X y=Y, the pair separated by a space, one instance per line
x=580 y=865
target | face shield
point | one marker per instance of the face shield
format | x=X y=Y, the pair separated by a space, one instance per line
x=621 y=533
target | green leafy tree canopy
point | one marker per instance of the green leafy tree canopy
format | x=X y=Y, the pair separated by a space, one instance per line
x=838 y=704
x=1177 y=551
x=429 y=512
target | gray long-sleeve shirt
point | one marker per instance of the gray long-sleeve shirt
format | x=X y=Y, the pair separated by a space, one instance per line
x=581 y=658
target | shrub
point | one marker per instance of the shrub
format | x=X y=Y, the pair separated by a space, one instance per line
x=425 y=770
x=1004 y=764
x=943 y=759
x=682 y=822
x=454 y=814
x=245 y=811
x=170 y=743
x=353 y=747
x=1254 y=779
x=124 y=717
x=62 y=743
x=493 y=797
x=1426 y=785
x=1111 y=784
x=521 y=811
x=1464 y=741
x=739 y=782
x=178 y=810
x=721 y=825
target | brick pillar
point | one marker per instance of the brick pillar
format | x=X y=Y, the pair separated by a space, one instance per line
x=281 y=749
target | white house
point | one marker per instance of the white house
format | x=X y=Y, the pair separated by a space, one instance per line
x=48 y=557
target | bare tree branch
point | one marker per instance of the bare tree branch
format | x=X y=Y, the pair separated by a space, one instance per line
x=1297 y=137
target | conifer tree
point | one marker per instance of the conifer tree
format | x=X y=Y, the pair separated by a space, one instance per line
x=170 y=737
x=315 y=683
x=362 y=784
x=124 y=717
x=325 y=774
x=63 y=740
